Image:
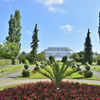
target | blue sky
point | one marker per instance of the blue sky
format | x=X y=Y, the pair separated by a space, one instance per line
x=61 y=23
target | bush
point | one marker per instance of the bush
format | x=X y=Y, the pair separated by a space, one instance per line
x=87 y=68
x=26 y=73
x=64 y=59
x=26 y=62
x=4 y=62
x=88 y=74
x=26 y=66
x=98 y=62
x=78 y=69
x=51 y=58
x=36 y=69
x=42 y=65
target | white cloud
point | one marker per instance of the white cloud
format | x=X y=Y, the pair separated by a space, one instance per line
x=53 y=2
x=28 y=32
x=52 y=5
x=68 y=27
x=56 y=9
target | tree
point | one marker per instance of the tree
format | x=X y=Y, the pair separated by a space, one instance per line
x=81 y=56
x=12 y=29
x=88 y=49
x=18 y=26
x=13 y=38
x=64 y=59
x=22 y=57
x=34 y=44
x=75 y=57
x=41 y=56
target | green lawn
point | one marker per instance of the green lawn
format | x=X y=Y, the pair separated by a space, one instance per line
x=96 y=68
x=10 y=69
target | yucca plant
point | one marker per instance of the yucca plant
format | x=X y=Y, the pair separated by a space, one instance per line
x=57 y=73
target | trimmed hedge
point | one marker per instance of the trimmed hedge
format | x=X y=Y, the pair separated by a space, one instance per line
x=26 y=73
x=88 y=74
x=4 y=62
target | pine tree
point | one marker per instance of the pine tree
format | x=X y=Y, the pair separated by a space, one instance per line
x=88 y=49
x=34 y=44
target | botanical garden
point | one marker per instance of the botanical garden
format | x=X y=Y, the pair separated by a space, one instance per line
x=83 y=65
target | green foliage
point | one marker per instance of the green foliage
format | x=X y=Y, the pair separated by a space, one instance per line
x=75 y=57
x=22 y=57
x=26 y=62
x=41 y=56
x=88 y=49
x=78 y=69
x=57 y=72
x=26 y=73
x=18 y=26
x=51 y=59
x=34 y=44
x=26 y=66
x=88 y=74
x=36 y=69
x=87 y=68
x=64 y=59
x=13 y=38
x=98 y=62
x=4 y=62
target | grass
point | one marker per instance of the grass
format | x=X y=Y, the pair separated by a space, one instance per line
x=10 y=69
x=96 y=68
x=9 y=86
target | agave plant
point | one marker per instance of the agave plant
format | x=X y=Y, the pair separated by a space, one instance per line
x=57 y=73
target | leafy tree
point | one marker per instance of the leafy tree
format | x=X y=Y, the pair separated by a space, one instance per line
x=34 y=44
x=88 y=49
x=22 y=57
x=12 y=29
x=75 y=57
x=18 y=26
x=41 y=56
x=14 y=35
x=64 y=59
x=81 y=56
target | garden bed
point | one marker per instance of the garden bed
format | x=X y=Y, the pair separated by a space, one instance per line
x=49 y=91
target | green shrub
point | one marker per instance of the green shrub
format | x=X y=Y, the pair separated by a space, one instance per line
x=26 y=73
x=87 y=68
x=42 y=65
x=51 y=58
x=78 y=69
x=4 y=62
x=88 y=74
x=26 y=62
x=36 y=69
x=98 y=62
x=26 y=66
x=64 y=59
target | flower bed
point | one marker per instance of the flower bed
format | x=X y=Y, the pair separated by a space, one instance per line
x=49 y=91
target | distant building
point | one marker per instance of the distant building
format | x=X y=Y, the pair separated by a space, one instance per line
x=58 y=52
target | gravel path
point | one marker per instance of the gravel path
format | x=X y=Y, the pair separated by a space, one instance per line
x=96 y=74
x=9 y=79
x=13 y=75
x=12 y=82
